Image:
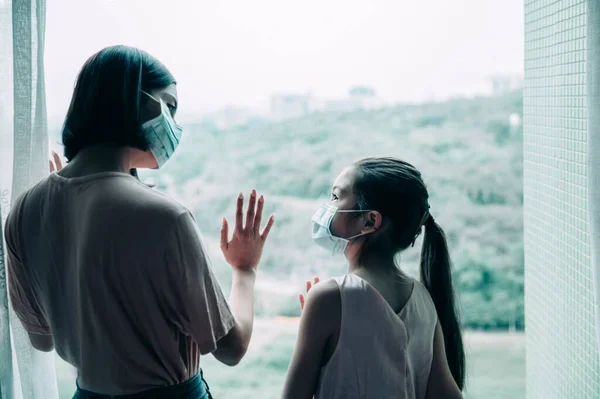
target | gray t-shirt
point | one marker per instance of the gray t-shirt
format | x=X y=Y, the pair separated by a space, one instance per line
x=117 y=273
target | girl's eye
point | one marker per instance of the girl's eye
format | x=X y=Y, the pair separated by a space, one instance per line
x=334 y=197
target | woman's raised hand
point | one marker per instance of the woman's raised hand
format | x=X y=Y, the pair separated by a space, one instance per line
x=244 y=249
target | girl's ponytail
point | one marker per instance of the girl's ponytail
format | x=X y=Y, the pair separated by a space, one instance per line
x=436 y=275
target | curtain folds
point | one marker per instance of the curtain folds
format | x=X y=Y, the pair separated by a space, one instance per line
x=25 y=373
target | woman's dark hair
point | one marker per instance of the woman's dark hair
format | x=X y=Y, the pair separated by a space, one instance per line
x=105 y=108
x=396 y=189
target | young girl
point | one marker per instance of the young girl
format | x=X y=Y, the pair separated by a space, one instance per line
x=376 y=333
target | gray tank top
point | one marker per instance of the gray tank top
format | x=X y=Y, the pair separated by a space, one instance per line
x=380 y=354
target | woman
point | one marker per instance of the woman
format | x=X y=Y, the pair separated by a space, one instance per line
x=375 y=332
x=113 y=274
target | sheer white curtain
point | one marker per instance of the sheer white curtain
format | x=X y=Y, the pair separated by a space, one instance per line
x=25 y=373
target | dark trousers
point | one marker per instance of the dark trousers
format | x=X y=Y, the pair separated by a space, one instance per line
x=194 y=388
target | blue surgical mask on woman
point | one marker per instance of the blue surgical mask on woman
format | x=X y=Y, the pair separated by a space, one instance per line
x=321 y=233
x=163 y=133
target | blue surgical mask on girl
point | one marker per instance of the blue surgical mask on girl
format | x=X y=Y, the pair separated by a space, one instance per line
x=321 y=233
x=162 y=133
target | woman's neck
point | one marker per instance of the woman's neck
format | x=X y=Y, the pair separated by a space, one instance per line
x=98 y=159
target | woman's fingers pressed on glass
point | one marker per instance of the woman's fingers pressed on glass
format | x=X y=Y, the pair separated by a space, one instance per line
x=244 y=248
x=250 y=212
x=267 y=229
x=239 y=213
x=258 y=216
x=224 y=234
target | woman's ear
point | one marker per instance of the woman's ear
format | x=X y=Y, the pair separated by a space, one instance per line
x=373 y=221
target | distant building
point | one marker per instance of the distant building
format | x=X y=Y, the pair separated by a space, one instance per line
x=359 y=97
x=361 y=92
x=289 y=106
x=502 y=84
x=342 y=105
x=229 y=117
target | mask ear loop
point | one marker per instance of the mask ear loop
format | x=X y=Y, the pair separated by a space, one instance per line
x=150 y=95
x=160 y=102
x=351 y=211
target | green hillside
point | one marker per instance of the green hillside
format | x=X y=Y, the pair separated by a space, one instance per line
x=469 y=154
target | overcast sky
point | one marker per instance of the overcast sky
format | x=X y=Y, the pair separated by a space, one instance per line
x=226 y=52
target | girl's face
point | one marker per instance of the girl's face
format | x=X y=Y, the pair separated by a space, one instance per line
x=348 y=224
x=345 y=224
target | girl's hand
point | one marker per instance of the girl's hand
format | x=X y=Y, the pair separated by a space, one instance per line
x=309 y=285
x=244 y=249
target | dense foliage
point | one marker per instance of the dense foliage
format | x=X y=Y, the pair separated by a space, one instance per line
x=471 y=159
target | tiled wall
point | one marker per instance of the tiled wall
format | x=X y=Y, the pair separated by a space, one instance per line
x=562 y=353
